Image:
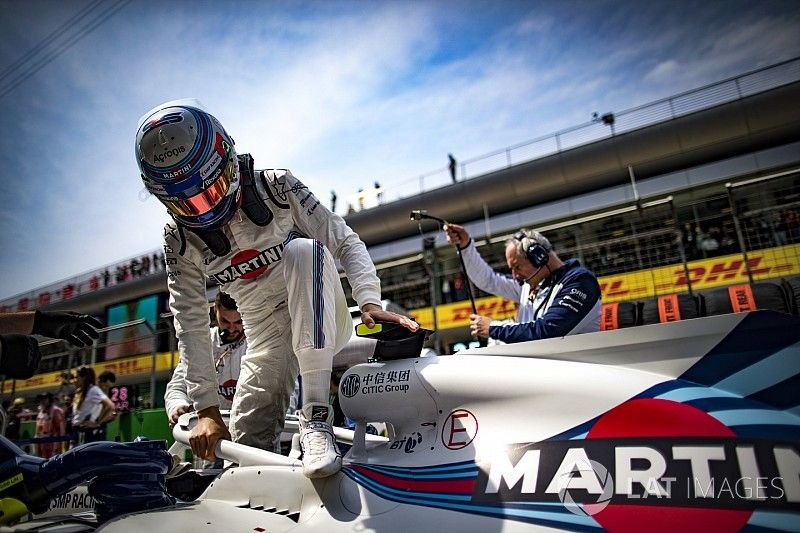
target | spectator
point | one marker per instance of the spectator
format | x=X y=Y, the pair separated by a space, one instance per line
x=706 y=242
x=333 y=201
x=14 y=418
x=792 y=225
x=362 y=198
x=556 y=298
x=780 y=236
x=91 y=409
x=66 y=389
x=689 y=238
x=452 y=167
x=50 y=422
x=106 y=380
x=106 y=278
x=378 y=193
x=145 y=265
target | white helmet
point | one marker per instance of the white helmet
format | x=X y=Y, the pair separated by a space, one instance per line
x=188 y=162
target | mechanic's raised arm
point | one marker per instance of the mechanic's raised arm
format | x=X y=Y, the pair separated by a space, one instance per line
x=478 y=270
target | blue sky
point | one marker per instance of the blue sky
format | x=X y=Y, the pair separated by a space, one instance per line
x=342 y=93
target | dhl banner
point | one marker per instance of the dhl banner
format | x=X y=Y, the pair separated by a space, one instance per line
x=703 y=274
x=641 y=284
x=457 y=314
x=129 y=366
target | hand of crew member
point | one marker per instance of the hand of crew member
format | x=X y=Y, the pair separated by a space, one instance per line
x=479 y=325
x=209 y=430
x=456 y=235
x=75 y=328
x=372 y=312
x=177 y=412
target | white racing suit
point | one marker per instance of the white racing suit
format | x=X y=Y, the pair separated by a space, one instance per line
x=287 y=288
x=228 y=361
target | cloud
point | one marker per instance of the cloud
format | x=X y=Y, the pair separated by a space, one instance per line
x=342 y=94
x=663 y=71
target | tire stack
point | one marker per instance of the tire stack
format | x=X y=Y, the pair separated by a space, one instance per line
x=778 y=295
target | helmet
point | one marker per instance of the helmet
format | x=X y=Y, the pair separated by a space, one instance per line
x=188 y=162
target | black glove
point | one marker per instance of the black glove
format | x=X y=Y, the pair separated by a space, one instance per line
x=75 y=328
x=19 y=356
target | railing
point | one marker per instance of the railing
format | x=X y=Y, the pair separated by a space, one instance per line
x=87 y=282
x=721 y=92
x=747 y=231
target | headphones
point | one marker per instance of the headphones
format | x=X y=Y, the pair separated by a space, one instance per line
x=536 y=253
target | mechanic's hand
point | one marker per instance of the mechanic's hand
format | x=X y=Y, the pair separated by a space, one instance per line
x=456 y=235
x=209 y=429
x=479 y=325
x=19 y=356
x=178 y=411
x=75 y=328
x=372 y=312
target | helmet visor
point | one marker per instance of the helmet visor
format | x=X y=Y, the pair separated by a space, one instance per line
x=204 y=201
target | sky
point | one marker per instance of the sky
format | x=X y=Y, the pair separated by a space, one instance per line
x=343 y=93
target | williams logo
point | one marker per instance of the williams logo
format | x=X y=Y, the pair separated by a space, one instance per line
x=350 y=385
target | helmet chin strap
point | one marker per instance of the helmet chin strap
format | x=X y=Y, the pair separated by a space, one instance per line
x=255 y=209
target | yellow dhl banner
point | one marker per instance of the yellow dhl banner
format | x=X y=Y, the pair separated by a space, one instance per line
x=457 y=314
x=641 y=284
x=703 y=274
x=128 y=366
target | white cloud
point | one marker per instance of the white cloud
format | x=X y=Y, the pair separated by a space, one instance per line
x=663 y=72
x=342 y=94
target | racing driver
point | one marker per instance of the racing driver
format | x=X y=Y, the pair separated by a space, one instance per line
x=270 y=243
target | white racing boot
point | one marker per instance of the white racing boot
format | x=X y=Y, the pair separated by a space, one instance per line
x=321 y=457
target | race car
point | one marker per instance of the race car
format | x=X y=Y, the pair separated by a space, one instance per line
x=684 y=426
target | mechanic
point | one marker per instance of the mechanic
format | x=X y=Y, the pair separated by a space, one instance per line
x=271 y=244
x=228 y=344
x=556 y=298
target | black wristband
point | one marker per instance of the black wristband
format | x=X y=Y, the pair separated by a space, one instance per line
x=462 y=248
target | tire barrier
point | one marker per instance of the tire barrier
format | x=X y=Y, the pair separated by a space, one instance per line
x=618 y=315
x=792 y=286
x=669 y=308
x=740 y=298
x=782 y=295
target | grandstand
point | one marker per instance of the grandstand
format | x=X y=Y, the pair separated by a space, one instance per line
x=682 y=207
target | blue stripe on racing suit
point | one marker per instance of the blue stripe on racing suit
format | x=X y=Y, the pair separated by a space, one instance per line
x=574 y=308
